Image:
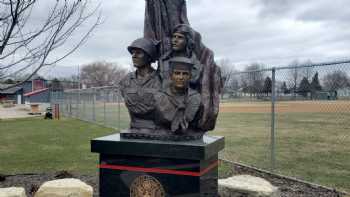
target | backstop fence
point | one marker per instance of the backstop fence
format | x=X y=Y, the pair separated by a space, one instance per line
x=292 y=120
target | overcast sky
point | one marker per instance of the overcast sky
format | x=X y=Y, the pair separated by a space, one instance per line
x=273 y=32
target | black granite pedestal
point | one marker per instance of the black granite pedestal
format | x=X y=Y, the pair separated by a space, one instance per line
x=134 y=167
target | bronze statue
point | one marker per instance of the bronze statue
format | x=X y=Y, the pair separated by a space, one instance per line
x=180 y=100
x=162 y=16
x=178 y=105
x=138 y=88
x=182 y=45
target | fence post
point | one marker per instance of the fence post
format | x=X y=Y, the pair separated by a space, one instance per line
x=70 y=105
x=104 y=108
x=93 y=105
x=118 y=100
x=273 y=101
x=77 y=105
x=83 y=97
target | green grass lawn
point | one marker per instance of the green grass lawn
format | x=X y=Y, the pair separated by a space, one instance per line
x=37 y=145
x=310 y=146
x=34 y=145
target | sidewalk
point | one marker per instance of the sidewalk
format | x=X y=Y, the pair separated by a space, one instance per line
x=19 y=111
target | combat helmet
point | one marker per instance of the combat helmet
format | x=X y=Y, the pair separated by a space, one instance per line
x=147 y=45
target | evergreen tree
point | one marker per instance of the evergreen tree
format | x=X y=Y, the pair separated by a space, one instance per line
x=267 y=86
x=304 y=87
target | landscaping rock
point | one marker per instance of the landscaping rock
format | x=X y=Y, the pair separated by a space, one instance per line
x=12 y=192
x=63 y=188
x=247 y=186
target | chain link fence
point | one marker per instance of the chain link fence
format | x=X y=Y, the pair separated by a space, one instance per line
x=102 y=105
x=291 y=120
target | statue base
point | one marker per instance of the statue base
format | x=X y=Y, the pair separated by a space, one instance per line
x=135 y=167
x=162 y=135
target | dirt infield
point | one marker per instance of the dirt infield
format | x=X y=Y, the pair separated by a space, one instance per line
x=287 y=107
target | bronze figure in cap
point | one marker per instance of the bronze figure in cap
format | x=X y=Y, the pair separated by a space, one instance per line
x=178 y=105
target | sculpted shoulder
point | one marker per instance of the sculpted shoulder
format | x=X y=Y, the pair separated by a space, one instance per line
x=126 y=81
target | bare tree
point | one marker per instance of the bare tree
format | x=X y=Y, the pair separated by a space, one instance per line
x=233 y=85
x=227 y=70
x=336 y=80
x=26 y=45
x=253 y=81
x=307 y=70
x=71 y=82
x=284 y=88
x=99 y=74
x=294 y=75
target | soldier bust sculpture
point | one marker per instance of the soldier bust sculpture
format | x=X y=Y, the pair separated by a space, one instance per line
x=138 y=88
x=178 y=105
x=168 y=103
x=166 y=112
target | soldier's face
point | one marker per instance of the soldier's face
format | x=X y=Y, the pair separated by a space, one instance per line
x=139 y=58
x=178 y=41
x=180 y=78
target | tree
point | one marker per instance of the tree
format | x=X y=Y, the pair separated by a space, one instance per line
x=233 y=84
x=284 y=88
x=294 y=76
x=315 y=83
x=304 y=87
x=252 y=82
x=99 y=74
x=306 y=69
x=267 y=86
x=28 y=43
x=227 y=70
x=336 y=80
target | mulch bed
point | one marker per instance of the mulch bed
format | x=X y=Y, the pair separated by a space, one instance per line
x=288 y=187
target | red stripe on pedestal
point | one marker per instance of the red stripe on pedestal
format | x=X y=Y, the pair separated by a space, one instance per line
x=159 y=170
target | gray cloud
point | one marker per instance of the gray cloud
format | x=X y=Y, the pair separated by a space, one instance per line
x=274 y=32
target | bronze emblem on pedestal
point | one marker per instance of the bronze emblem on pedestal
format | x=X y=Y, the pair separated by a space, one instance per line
x=146 y=186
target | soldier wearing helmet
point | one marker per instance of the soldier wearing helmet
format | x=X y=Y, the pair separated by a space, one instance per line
x=138 y=88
